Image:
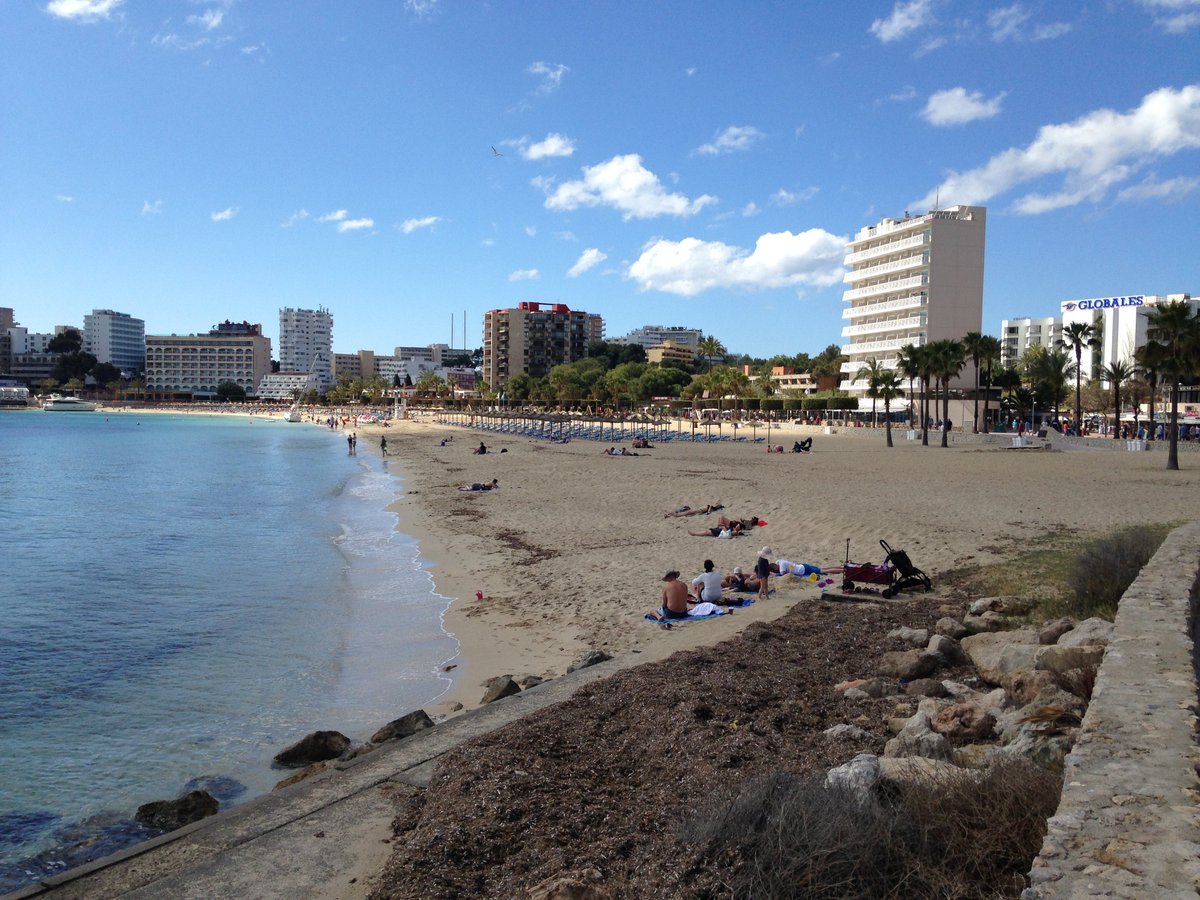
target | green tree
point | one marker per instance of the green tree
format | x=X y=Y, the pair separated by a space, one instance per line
x=710 y=348
x=989 y=352
x=1076 y=336
x=1177 y=332
x=104 y=373
x=886 y=386
x=949 y=357
x=1149 y=358
x=1049 y=372
x=75 y=364
x=68 y=341
x=907 y=366
x=870 y=372
x=229 y=390
x=1117 y=375
x=828 y=363
x=973 y=345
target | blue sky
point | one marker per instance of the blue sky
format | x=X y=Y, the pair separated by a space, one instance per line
x=698 y=164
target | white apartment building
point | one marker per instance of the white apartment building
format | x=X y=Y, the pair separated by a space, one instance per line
x=306 y=343
x=1120 y=323
x=117 y=338
x=912 y=281
x=655 y=335
x=1019 y=335
x=285 y=385
x=196 y=364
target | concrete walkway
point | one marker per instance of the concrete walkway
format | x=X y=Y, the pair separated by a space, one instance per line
x=308 y=840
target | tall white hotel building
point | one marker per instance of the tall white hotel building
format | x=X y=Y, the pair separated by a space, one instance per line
x=912 y=281
x=306 y=343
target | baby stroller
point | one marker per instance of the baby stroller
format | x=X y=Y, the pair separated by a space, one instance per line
x=897 y=573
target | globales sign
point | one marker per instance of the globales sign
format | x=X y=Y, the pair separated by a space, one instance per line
x=1104 y=303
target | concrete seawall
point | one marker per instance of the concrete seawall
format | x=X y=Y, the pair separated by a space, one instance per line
x=1128 y=823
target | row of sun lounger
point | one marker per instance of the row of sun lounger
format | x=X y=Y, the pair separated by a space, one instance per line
x=580 y=431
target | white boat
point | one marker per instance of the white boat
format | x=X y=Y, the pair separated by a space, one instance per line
x=59 y=403
x=294 y=414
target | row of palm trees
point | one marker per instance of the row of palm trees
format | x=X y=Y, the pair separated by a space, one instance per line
x=1171 y=354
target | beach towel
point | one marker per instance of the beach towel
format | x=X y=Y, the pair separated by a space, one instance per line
x=700 y=611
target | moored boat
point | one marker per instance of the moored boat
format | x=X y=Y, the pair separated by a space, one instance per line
x=59 y=403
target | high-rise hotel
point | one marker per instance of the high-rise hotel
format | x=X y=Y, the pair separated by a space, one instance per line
x=306 y=343
x=912 y=281
x=534 y=338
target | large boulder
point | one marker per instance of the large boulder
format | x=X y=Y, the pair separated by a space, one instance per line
x=591 y=658
x=858 y=776
x=1008 y=606
x=1088 y=633
x=917 y=737
x=964 y=721
x=985 y=650
x=913 y=637
x=171 y=814
x=948 y=650
x=316 y=747
x=908 y=664
x=926 y=687
x=990 y=621
x=951 y=628
x=1059 y=659
x=498 y=688
x=1024 y=687
x=403 y=727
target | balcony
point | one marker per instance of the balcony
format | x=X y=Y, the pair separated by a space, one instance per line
x=916 y=261
x=851 y=368
x=913 y=301
x=885 y=325
x=887 y=249
x=872 y=347
x=886 y=287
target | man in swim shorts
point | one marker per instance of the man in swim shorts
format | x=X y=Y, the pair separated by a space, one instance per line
x=674 y=596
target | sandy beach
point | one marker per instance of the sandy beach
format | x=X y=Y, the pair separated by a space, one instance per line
x=570 y=551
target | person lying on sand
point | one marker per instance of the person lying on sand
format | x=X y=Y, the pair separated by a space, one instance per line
x=486 y=486
x=618 y=451
x=732 y=531
x=693 y=511
x=747 y=523
x=802 y=570
x=740 y=581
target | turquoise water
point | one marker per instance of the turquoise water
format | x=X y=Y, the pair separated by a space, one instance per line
x=182 y=597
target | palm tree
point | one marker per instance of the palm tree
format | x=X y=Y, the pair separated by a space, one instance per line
x=989 y=352
x=1117 y=374
x=1049 y=372
x=1173 y=328
x=948 y=359
x=886 y=387
x=1078 y=335
x=973 y=345
x=710 y=348
x=1149 y=359
x=870 y=372
x=906 y=366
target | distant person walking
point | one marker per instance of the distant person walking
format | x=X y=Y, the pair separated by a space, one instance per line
x=383 y=445
x=762 y=571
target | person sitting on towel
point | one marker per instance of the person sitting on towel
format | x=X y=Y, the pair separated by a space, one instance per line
x=674 y=596
x=708 y=585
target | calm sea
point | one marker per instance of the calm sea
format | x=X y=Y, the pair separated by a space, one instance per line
x=181 y=597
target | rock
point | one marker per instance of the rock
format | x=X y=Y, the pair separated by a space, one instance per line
x=222 y=787
x=498 y=688
x=964 y=721
x=307 y=772
x=858 y=776
x=974 y=756
x=531 y=681
x=456 y=707
x=856 y=695
x=171 y=814
x=847 y=733
x=360 y=750
x=926 y=687
x=951 y=628
x=583 y=885
x=591 y=658
x=1060 y=659
x=911 y=771
x=948 y=650
x=842 y=686
x=908 y=664
x=316 y=747
x=1023 y=687
x=403 y=727
x=1009 y=606
x=879 y=687
x=1088 y=633
x=913 y=637
x=957 y=689
x=917 y=738
x=990 y=621
x=1052 y=631
x=984 y=650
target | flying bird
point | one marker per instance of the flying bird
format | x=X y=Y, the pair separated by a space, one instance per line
x=496 y=152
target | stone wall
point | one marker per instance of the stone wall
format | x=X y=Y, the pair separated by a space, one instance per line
x=1128 y=823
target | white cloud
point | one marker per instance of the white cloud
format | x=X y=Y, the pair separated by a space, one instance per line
x=1153 y=189
x=551 y=75
x=1092 y=153
x=531 y=230
x=1008 y=24
x=784 y=197
x=735 y=137
x=151 y=209
x=525 y=275
x=408 y=226
x=956 y=107
x=209 y=19
x=83 y=10
x=488 y=242
x=64 y=198
x=1174 y=16
x=224 y=215
x=626 y=185
x=335 y=216
x=354 y=225
x=905 y=19
x=553 y=145
x=422 y=9
x=690 y=266
x=299 y=215
x=750 y=209
x=587 y=259
x=690 y=71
